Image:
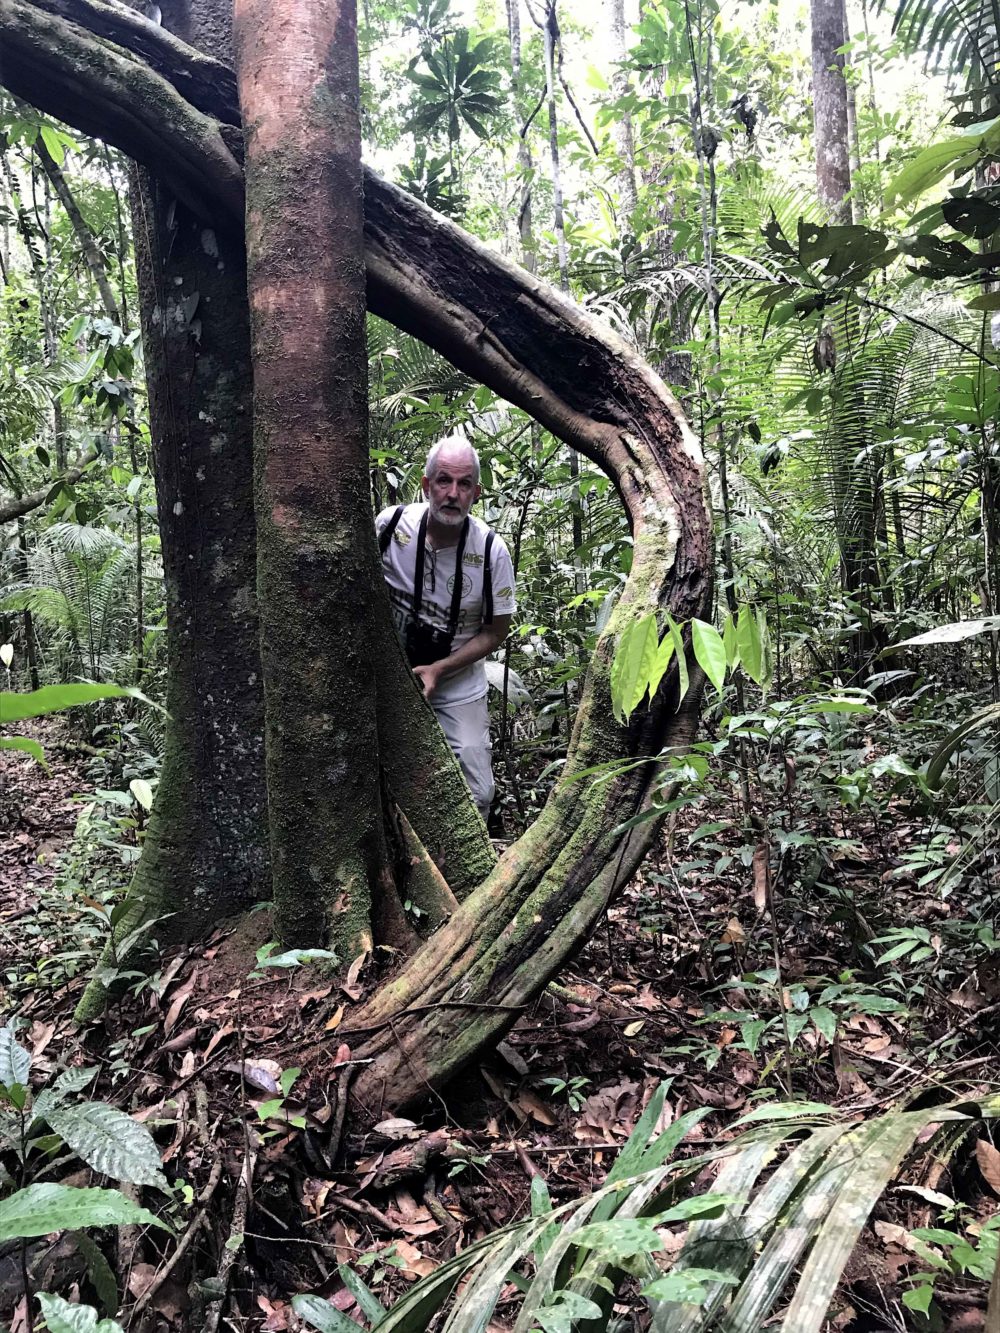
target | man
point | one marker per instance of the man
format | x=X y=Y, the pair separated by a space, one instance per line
x=451 y=586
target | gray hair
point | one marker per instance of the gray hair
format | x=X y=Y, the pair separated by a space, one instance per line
x=450 y=442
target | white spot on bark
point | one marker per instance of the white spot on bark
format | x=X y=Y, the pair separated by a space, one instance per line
x=209 y=244
x=178 y=507
x=200 y=474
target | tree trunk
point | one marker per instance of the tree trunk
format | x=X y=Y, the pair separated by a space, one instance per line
x=297 y=70
x=833 y=172
x=464 y=988
x=83 y=234
x=205 y=852
x=624 y=140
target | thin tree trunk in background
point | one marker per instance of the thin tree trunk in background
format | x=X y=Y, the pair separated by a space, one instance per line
x=624 y=140
x=524 y=162
x=550 y=36
x=853 y=140
x=30 y=643
x=833 y=171
x=84 y=236
x=297 y=72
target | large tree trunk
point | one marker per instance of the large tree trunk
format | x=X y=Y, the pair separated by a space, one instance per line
x=531 y=344
x=205 y=853
x=297 y=69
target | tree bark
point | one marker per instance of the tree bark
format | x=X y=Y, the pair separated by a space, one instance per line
x=297 y=72
x=624 y=138
x=205 y=852
x=833 y=172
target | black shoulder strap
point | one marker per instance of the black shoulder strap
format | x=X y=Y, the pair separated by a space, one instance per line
x=385 y=536
x=418 y=572
x=456 y=587
x=488 y=581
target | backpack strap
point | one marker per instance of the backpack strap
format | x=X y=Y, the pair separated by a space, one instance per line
x=385 y=536
x=488 y=581
x=456 y=591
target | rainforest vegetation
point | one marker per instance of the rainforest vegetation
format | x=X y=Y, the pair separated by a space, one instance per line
x=697 y=1031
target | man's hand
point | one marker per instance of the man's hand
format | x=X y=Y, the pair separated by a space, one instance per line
x=429 y=676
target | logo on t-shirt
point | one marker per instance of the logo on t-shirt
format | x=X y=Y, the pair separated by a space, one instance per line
x=466 y=584
x=403 y=538
x=505 y=592
x=472 y=558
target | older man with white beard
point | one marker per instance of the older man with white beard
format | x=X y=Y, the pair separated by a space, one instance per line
x=451 y=586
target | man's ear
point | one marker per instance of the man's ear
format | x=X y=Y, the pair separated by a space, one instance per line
x=425 y=486
x=479 y=491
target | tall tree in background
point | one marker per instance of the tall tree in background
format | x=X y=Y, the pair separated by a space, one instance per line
x=853 y=480
x=833 y=170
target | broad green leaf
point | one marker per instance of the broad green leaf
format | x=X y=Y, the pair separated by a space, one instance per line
x=54 y=698
x=748 y=641
x=664 y=653
x=38 y=1209
x=322 y=1315
x=709 y=652
x=867 y=1175
x=53 y=141
x=15 y=1062
x=931 y=165
x=26 y=744
x=782 y=1111
x=370 y=1305
x=633 y=665
x=674 y=631
x=142 y=792
x=99 y=1271
x=297 y=957
x=110 y=1141
x=729 y=642
x=958 y=629
x=62 y=1317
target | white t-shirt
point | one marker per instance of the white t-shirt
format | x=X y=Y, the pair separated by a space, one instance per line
x=399 y=564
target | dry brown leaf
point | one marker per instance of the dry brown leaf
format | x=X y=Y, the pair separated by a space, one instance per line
x=350 y=985
x=734 y=932
x=633 y=1029
x=989 y=1164
x=225 y=1031
x=333 y=1023
x=761 y=876
x=140 y=1279
x=415 y=1264
x=310 y=995
x=531 y=1104
x=180 y=999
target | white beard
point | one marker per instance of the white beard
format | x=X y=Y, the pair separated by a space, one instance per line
x=444 y=517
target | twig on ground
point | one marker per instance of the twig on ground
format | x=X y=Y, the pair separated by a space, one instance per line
x=183 y=1245
x=234 y=1244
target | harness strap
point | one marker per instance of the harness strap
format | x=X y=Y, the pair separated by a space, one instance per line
x=418 y=572
x=385 y=536
x=488 y=581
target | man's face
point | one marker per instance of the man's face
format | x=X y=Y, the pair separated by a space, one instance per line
x=453 y=489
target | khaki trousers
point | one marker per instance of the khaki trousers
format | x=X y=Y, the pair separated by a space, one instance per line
x=467 y=728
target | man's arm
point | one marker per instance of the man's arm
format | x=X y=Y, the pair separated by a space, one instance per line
x=487 y=641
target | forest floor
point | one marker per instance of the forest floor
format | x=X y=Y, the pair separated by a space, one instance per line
x=692 y=979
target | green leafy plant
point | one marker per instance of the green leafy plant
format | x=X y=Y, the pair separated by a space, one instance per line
x=790 y=1197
